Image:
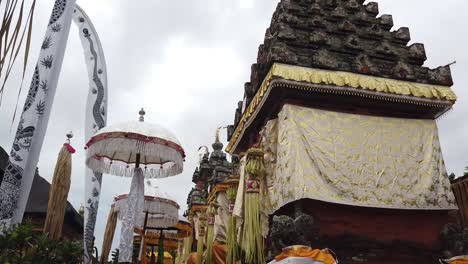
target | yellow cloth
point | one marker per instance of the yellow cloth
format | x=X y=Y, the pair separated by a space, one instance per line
x=305 y=252
x=458 y=260
x=168 y=258
x=354 y=159
x=360 y=81
x=357 y=82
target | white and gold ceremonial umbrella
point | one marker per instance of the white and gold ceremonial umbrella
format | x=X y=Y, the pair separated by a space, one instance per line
x=120 y=148
x=139 y=150
x=160 y=212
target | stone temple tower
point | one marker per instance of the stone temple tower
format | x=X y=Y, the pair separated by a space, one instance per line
x=346 y=111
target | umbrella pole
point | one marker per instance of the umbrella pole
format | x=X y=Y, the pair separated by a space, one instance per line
x=152 y=260
x=161 y=248
x=143 y=236
x=137 y=160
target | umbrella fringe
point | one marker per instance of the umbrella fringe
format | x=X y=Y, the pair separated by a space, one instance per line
x=58 y=195
x=162 y=214
x=172 y=165
x=120 y=169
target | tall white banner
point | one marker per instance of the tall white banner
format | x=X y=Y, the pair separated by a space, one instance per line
x=19 y=173
x=96 y=116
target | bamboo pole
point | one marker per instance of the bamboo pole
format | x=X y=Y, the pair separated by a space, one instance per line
x=108 y=234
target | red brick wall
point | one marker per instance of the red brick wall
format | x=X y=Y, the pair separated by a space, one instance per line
x=420 y=227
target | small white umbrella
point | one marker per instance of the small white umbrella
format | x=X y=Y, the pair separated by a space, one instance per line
x=160 y=211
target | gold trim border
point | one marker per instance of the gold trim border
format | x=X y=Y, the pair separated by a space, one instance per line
x=341 y=79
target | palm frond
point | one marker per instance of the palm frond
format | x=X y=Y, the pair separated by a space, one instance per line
x=12 y=34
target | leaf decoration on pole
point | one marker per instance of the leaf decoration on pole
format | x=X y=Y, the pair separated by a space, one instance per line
x=252 y=235
x=232 y=252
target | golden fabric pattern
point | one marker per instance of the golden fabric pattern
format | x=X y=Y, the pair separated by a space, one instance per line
x=365 y=82
x=340 y=79
x=354 y=159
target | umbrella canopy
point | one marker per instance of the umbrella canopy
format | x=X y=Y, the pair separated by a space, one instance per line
x=119 y=148
x=162 y=212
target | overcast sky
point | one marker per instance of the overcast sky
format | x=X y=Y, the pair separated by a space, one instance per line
x=186 y=62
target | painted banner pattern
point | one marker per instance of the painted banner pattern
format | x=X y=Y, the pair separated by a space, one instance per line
x=24 y=155
x=96 y=117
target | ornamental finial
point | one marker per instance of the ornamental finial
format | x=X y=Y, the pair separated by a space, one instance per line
x=217 y=134
x=142 y=115
x=69 y=136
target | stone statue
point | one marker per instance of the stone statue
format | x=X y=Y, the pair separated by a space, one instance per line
x=286 y=231
x=454 y=240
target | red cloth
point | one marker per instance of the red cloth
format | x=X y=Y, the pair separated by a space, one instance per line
x=219 y=253
x=69 y=148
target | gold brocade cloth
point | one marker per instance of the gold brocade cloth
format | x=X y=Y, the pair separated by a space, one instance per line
x=354 y=160
x=359 y=82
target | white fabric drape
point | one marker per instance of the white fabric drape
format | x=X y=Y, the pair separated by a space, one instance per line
x=221 y=218
x=130 y=215
x=238 y=211
x=20 y=170
x=96 y=117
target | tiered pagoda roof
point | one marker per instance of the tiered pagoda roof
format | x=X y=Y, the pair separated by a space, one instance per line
x=214 y=168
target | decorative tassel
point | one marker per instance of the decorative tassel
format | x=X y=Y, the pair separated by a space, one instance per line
x=58 y=195
x=232 y=252
x=211 y=212
x=201 y=236
x=252 y=235
x=108 y=234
